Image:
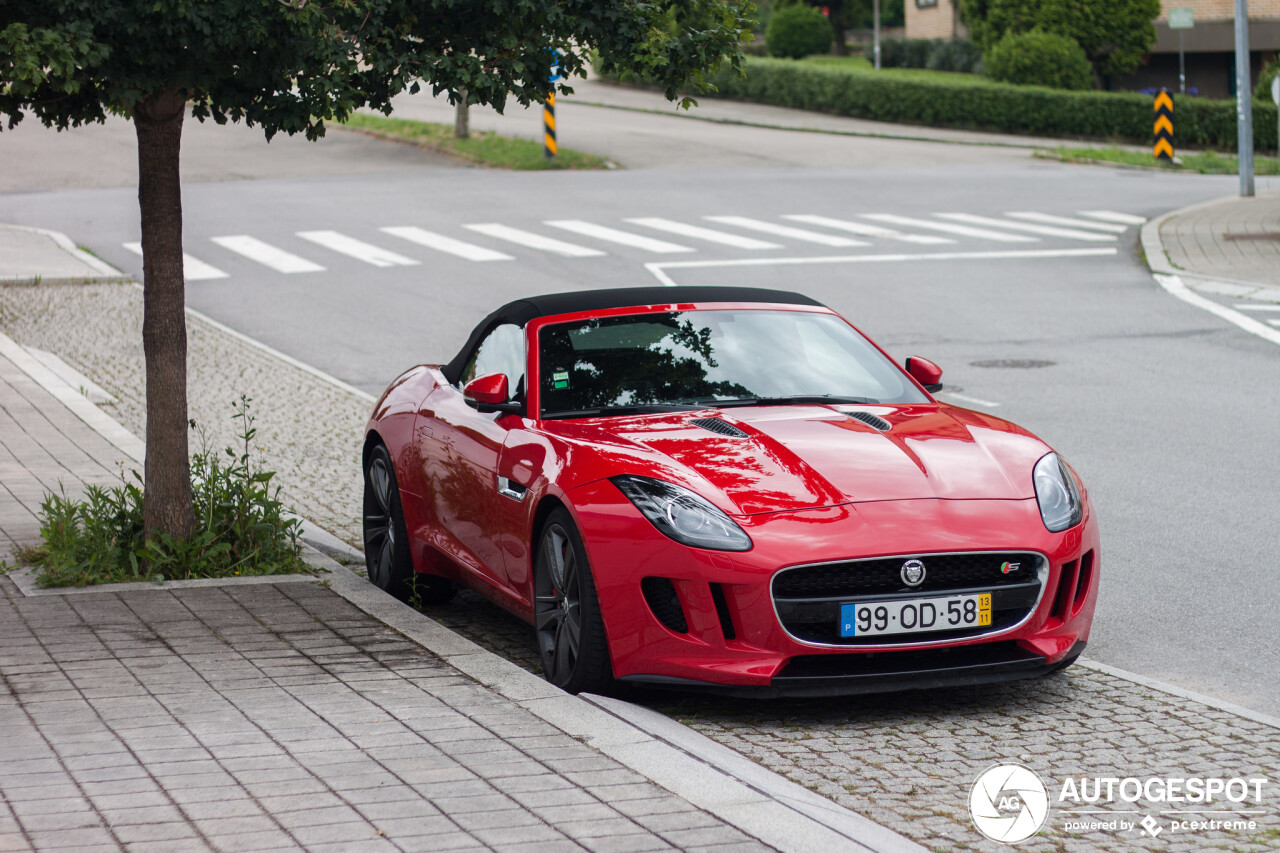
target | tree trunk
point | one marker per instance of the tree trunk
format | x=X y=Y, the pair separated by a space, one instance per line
x=167 y=485
x=835 y=14
x=461 y=118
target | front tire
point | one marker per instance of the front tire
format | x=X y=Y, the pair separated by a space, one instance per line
x=570 y=633
x=386 y=541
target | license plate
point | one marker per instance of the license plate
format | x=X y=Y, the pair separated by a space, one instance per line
x=915 y=615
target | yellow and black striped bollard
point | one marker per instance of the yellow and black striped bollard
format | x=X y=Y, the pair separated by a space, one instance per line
x=549 y=127
x=1163 y=149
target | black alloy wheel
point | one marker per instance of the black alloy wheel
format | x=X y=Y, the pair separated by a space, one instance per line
x=386 y=542
x=386 y=552
x=566 y=613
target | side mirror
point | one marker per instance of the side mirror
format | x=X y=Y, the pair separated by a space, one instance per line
x=489 y=394
x=926 y=373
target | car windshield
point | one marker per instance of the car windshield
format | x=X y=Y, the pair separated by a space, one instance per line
x=695 y=359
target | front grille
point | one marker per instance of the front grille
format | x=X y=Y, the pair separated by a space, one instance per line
x=808 y=598
x=883 y=575
x=660 y=595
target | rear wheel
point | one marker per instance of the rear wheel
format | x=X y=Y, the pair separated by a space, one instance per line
x=386 y=542
x=570 y=632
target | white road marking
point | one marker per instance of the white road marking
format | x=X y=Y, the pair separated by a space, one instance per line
x=193 y=269
x=785 y=231
x=699 y=233
x=1251 y=307
x=1173 y=284
x=266 y=254
x=613 y=235
x=1033 y=216
x=358 y=249
x=1046 y=230
x=1274 y=322
x=977 y=401
x=951 y=228
x=1112 y=216
x=659 y=268
x=868 y=230
x=534 y=241
x=441 y=243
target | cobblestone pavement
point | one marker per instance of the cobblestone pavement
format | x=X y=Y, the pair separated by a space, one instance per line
x=283 y=717
x=309 y=432
x=907 y=761
x=1238 y=238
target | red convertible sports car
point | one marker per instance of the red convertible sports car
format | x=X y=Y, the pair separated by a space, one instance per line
x=727 y=488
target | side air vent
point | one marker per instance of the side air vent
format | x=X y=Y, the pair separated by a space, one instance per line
x=719 y=426
x=660 y=595
x=871 y=420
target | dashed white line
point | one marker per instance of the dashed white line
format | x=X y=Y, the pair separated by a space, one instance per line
x=441 y=243
x=786 y=231
x=533 y=241
x=977 y=401
x=193 y=269
x=613 y=235
x=266 y=254
x=699 y=233
x=868 y=230
x=358 y=249
x=1113 y=216
x=1033 y=216
x=952 y=228
x=1251 y=307
x=1046 y=230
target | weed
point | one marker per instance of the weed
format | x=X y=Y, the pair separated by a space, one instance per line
x=241 y=526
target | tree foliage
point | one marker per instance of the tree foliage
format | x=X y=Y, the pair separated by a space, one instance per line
x=1115 y=34
x=1039 y=59
x=289 y=66
x=798 y=31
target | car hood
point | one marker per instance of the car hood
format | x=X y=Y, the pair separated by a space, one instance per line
x=802 y=457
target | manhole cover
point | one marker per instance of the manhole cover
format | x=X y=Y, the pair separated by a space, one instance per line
x=1259 y=235
x=1012 y=362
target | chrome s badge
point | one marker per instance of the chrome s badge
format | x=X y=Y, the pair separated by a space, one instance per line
x=912 y=573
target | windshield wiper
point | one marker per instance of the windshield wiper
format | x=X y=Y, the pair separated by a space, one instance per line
x=640 y=409
x=799 y=399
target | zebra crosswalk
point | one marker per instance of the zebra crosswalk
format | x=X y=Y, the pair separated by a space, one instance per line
x=494 y=242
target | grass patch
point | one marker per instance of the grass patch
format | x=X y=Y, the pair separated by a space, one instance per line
x=483 y=148
x=860 y=64
x=241 y=527
x=1204 y=162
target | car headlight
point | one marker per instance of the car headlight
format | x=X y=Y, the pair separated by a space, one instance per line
x=682 y=515
x=1056 y=492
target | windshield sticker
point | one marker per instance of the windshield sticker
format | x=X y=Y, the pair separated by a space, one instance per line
x=560 y=379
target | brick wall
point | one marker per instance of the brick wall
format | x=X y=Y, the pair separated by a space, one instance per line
x=1217 y=10
x=937 y=22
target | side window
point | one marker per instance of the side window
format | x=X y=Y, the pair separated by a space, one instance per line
x=501 y=351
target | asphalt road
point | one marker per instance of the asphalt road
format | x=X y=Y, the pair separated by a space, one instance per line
x=1165 y=411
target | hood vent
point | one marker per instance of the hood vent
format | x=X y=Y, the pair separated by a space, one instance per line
x=871 y=420
x=718 y=426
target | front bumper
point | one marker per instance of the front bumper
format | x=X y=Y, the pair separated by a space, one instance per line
x=732 y=636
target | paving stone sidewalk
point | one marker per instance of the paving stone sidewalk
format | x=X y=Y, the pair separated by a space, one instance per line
x=1237 y=239
x=282 y=717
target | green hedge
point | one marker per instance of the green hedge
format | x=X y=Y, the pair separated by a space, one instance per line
x=982 y=105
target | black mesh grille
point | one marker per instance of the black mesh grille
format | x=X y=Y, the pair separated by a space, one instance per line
x=660 y=593
x=884 y=576
x=871 y=420
x=719 y=426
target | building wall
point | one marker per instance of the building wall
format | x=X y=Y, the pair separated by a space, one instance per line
x=938 y=21
x=1220 y=10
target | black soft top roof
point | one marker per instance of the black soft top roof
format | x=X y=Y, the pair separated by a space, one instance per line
x=521 y=311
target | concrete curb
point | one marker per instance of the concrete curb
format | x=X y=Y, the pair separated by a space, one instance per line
x=1170 y=278
x=105 y=272
x=25 y=579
